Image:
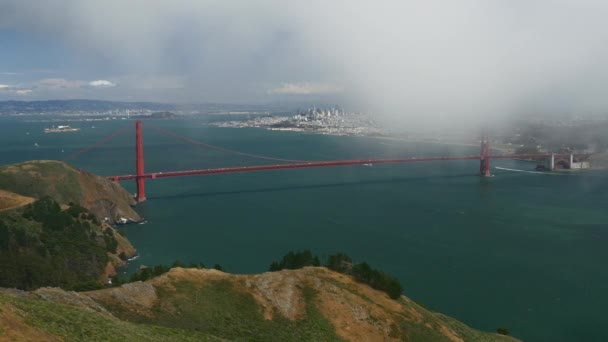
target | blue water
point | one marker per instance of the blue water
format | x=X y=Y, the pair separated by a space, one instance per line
x=518 y=250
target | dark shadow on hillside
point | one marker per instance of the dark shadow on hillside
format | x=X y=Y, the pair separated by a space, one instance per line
x=310 y=186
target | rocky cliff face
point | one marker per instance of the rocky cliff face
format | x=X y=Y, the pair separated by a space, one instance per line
x=65 y=184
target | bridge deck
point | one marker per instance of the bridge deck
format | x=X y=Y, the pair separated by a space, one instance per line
x=320 y=164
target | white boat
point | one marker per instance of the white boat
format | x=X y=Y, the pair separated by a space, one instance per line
x=60 y=129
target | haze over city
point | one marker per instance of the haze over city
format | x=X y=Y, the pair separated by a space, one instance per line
x=418 y=60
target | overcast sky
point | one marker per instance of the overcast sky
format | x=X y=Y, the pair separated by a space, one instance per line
x=429 y=57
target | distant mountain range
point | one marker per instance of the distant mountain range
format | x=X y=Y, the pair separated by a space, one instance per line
x=55 y=106
x=8 y=107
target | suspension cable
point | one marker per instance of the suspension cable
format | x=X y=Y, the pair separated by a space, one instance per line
x=102 y=141
x=196 y=142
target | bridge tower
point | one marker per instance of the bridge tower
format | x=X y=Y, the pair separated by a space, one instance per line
x=484 y=157
x=139 y=162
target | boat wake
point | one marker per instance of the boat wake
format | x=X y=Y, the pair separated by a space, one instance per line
x=527 y=171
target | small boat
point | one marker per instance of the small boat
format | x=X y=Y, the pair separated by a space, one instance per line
x=60 y=129
x=368 y=164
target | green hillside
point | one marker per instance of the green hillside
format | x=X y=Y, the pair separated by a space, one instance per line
x=309 y=304
x=65 y=185
x=43 y=245
x=27 y=318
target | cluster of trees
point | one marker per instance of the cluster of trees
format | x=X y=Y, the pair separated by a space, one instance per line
x=342 y=263
x=42 y=245
x=294 y=261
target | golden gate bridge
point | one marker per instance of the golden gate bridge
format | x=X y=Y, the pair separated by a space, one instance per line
x=140 y=175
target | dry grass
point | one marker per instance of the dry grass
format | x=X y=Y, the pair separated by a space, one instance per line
x=356 y=311
x=10 y=200
x=13 y=327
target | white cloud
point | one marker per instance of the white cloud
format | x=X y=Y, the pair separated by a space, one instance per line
x=413 y=59
x=22 y=92
x=102 y=84
x=15 y=90
x=306 y=88
x=58 y=83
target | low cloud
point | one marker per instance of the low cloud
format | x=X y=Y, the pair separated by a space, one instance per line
x=306 y=88
x=58 y=83
x=102 y=84
x=6 y=88
x=22 y=92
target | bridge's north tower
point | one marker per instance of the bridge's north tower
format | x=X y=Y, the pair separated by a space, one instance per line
x=139 y=162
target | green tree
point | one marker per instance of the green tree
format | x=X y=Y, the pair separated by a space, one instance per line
x=5 y=237
x=340 y=262
x=295 y=260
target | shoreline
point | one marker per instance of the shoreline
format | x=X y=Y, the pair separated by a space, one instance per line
x=448 y=143
x=502 y=149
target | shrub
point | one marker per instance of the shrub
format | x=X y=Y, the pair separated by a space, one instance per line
x=297 y=260
x=502 y=331
x=342 y=263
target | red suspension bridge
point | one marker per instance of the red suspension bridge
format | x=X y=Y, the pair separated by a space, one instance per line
x=140 y=175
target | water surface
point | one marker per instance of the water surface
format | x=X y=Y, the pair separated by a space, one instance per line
x=518 y=250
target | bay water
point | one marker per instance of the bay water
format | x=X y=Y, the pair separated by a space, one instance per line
x=518 y=250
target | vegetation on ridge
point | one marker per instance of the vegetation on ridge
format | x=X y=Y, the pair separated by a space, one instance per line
x=342 y=263
x=43 y=245
x=66 y=184
x=29 y=319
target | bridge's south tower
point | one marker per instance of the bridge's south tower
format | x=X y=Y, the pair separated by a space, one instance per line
x=484 y=157
x=139 y=162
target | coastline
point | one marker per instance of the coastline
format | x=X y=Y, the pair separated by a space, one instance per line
x=448 y=143
x=503 y=149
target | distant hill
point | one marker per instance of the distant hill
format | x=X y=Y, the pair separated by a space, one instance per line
x=66 y=184
x=310 y=304
x=66 y=106
x=43 y=244
x=8 y=107
x=55 y=226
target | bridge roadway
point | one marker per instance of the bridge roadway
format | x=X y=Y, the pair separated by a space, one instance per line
x=311 y=164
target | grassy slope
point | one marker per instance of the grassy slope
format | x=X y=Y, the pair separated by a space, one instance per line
x=219 y=308
x=66 y=184
x=28 y=319
x=29 y=180
x=313 y=304
x=40 y=178
x=10 y=200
